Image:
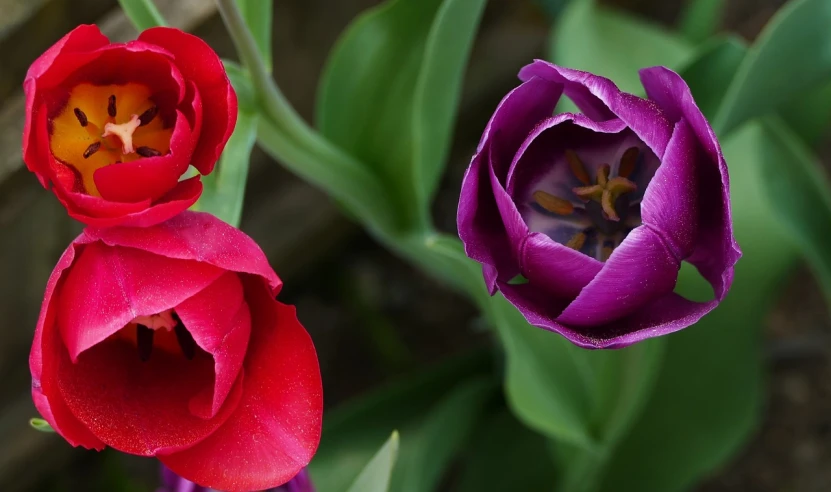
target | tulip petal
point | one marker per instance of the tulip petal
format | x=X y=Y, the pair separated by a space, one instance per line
x=663 y=316
x=275 y=430
x=142 y=214
x=716 y=249
x=200 y=64
x=43 y=368
x=140 y=407
x=221 y=329
x=108 y=286
x=593 y=93
x=670 y=204
x=194 y=236
x=558 y=270
x=639 y=271
x=533 y=301
x=479 y=223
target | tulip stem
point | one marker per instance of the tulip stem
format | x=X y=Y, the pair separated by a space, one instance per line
x=288 y=138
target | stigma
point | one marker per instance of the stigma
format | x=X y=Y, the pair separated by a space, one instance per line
x=124 y=132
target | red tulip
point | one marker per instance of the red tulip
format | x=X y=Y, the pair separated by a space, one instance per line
x=113 y=126
x=167 y=341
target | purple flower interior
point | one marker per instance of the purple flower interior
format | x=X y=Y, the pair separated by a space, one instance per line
x=582 y=188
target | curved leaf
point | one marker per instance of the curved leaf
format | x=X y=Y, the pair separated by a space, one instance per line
x=602 y=41
x=375 y=477
x=390 y=90
x=792 y=55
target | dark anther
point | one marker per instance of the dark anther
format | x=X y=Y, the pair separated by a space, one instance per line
x=93 y=148
x=185 y=339
x=147 y=116
x=147 y=152
x=144 y=340
x=111 y=106
x=82 y=118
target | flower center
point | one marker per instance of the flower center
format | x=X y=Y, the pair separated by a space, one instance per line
x=102 y=125
x=163 y=331
x=596 y=216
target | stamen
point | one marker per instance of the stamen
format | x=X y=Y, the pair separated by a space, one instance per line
x=147 y=152
x=607 y=201
x=185 y=339
x=144 y=341
x=577 y=241
x=628 y=162
x=147 y=116
x=553 y=203
x=587 y=193
x=577 y=167
x=124 y=131
x=82 y=117
x=111 y=106
x=619 y=185
x=93 y=148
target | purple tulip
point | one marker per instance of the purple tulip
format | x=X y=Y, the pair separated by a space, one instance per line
x=582 y=220
x=171 y=482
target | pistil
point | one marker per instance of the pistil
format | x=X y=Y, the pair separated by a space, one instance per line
x=124 y=132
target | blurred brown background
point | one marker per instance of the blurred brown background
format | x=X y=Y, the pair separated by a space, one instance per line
x=373 y=317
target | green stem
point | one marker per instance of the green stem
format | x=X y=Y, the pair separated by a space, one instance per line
x=288 y=138
x=274 y=102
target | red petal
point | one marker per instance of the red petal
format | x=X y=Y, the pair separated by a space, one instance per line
x=275 y=430
x=220 y=323
x=109 y=286
x=140 y=407
x=43 y=361
x=185 y=194
x=199 y=63
x=195 y=236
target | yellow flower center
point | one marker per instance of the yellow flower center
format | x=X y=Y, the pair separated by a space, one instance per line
x=107 y=124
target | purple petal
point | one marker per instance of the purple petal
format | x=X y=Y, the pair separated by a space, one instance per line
x=639 y=271
x=670 y=204
x=479 y=223
x=558 y=270
x=592 y=93
x=716 y=249
x=663 y=316
x=538 y=307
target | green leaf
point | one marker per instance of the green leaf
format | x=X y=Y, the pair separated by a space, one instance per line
x=505 y=455
x=417 y=406
x=224 y=189
x=809 y=115
x=612 y=44
x=792 y=174
x=710 y=72
x=792 y=55
x=375 y=477
x=40 y=424
x=258 y=15
x=142 y=13
x=426 y=454
x=390 y=89
x=707 y=399
x=700 y=19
